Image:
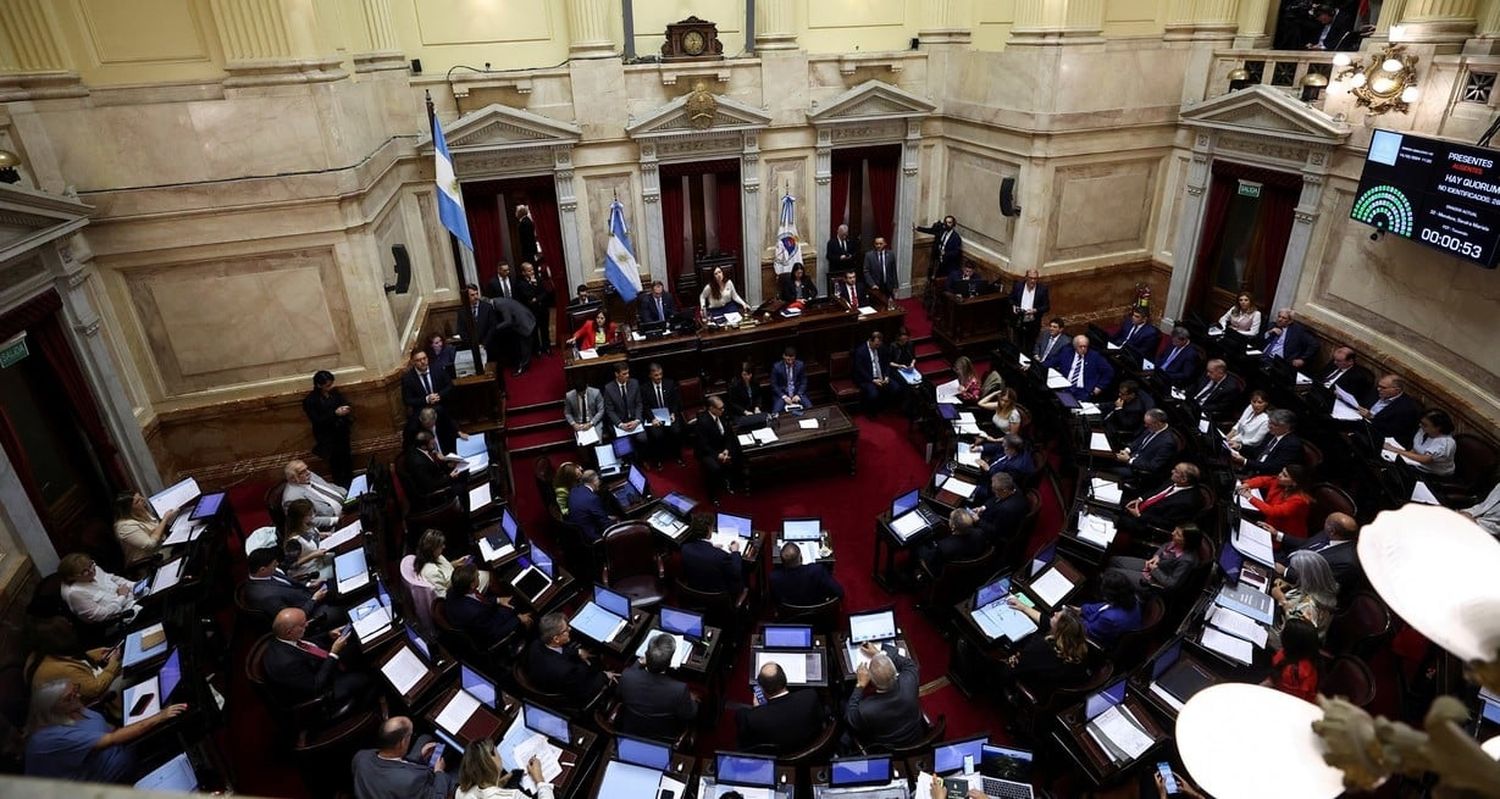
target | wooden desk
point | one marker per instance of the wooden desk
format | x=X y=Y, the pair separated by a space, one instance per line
x=1072 y=737
x=786 y=779
x=888 y=542
x=793 y=444
x=841 y=653
x=680 y=768
x=622 y=648
x=963 y=324
x=474 y=403
x=559 y=593
x=703 y=659
x=517 y=551
x=483 y=724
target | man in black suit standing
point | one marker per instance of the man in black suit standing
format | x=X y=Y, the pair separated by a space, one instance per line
x=654 y=705
x=787 y=721
x=503 y=285
x=718 y=449
x=556 y=665
x=711 y=570
x=872 y=373
x=526 y=235
x=513 y=333
x=1217 y=393
x=892 y=717
x=947 y=247
x=658 y=306
x=880 y=270
x=1166 y=507
x=1150 y=451
x=798 y=583
x=842 y=253
x=270 y=591
x=1280 y=449
x=1030 y=300
x=423 y=387
x=663 y=438
x=622 y=401
x=1394 y=414
x=1344 y=373
x=536 y=295
x=475 y=321
x=300 y=670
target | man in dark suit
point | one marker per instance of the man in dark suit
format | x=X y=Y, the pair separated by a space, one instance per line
x=1009 y=455
x=663 y=438
x=1337 y=543
x=270 y=591
x=711 y=570
x=971 y=531
x=586 y=507
x=478 y=614
x=1393 y=414
x=1179 y=366
x=947 y=247
x=654 y=705
x=536 y=295
x=475 y=319
x=526 y=235
x=425 y=467
x=1280 y=449
x=892 y=717
x=880 y=270
x=789 y=382
x=658 y=306
x=718 y=449
x=423 y=387
x=1053 y=345
x=556 y=665
x=786 y=722
x=332 y=417
x=1289 y=340
x=622 y=401
x=1127 y=416
x=1218 y=393
x=300 y=670
x=503 y=285
x=966 y=283
x=1138 y=335
x=1030 y=301
x=797 y=583
x=1331 y=29
x=1165 y=507
x=1087 y=373
x=440 y=427
x=1150 y=452
x=842 y=253
x=1003 y=512
x=872 y=374
x=513 y=333
x=1344 y=373
x=850 y=292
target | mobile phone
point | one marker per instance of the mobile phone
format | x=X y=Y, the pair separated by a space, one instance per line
x=141 y=704
x=1168 y=781
x=760 y=695
x=666 y=793
x=437 y=754
x=968 y=764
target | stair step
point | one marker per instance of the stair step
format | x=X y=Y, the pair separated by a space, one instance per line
x=530 y=451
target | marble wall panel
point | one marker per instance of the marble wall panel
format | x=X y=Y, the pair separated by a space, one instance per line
x=973 y=196
x=1101 y=209
x=486 y=22
x=600 y=192
x=855 y=13
x=215 y=324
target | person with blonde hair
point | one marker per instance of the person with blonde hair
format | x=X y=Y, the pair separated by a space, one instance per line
x=481 y=775
x=434 y=567
x=92 y=593
x=1054 y=660
x=139 y=531
x=567 y=476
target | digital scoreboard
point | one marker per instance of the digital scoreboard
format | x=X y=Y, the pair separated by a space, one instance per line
x=1441 y=194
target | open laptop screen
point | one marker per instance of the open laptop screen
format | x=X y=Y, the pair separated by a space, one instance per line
x=542 y=561
x=877 y=626
x=208 y=505
x=638 y=480
x=859 y=771
x=680 y=503
x=544 y=721
x=1166 y=659
x=991 y=592
x=949 y=757
x=643 y=753
x=681 y=622
x=1104 y=700
x=730 y=523
x=508 y=524
x=905 y=503
x=174 y=776
x=802 y=529
x=1005 y=763
x=618 y=604
x=788 y=636
x=748 y=770
x=170 y=675
x=477 y=685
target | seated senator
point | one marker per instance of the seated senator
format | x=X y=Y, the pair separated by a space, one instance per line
x=1254 y=422
x=1104 y=622
x=586 y=507
x=94 y=594
x=787 y=721
x=1286 y=503
x=67 y=741
x=797 y=583
x=1433 y=448
x=1056 y=656
x=654 y=704
x=480 y=615
x=797 y=286
x=892 y=716
x=789 y=383
x=557 y=665
x=1168 y=568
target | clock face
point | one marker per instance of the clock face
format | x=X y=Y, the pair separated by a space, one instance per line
x=693 y=42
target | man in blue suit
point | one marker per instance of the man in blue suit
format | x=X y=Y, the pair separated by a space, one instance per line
x=1087 y=373
x=1009 y=455
x=1179 y=366
x=789 y=383
x=1052 y=346
x=658 y=306
x=1138 y=335
x=1152 y=450
x=947 y=247
x=1289 y=340
x=798 y=583
x=872 y=372
x=586 y=507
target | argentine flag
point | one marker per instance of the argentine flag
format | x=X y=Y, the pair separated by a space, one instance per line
x=619 y=262
x=449 y=198
x=788 y=252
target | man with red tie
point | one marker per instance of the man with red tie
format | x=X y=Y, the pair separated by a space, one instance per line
x=850 y=291
x=1166 y=507
x=300 y=670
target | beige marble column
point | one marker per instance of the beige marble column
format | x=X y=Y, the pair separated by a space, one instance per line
x=775 y=25
x=1215 y=19
x=1440 y=22
x=588 y=24
x=1179 y=25
x=33 y=61
x=381 y=50
x=1043 y=22
x=1254 y=23
x=946 y=22
x=273 y=42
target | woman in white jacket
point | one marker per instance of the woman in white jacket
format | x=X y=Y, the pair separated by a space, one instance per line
x=480 y=776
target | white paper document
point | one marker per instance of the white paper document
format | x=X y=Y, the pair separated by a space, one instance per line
x=488 y=553
x=764 y=435
x=1096 y=530
x=587 y=355
x=1228 y=645
x=1123 y=732
x=457 y=713
x=746 y=440
x=1244 y=501
x=372 y=623
x=1204 y=425
x=1421 y=493
x=1254 y=353
x=998 y=619
x=1024 y=361
x=168 y=575
x=811 y=550
x=1055 y=380
x=1237 y=624
x=1106 y=491
x=967 y=455
x=947 y=393
x=404 y=670
x=621 y=432
x=133 y=695
x=865 y=310
x=1098 y=442
x=1051 y=587
x=1345 y=406
x=1147 y=365
x=908 y=525
x=1088 y=409
x=962 y=488
x=183 y=530
x=808 y=424
x=175 y=497
x=723 y=540
x=587 y=437
x=733 y=318
x=1215 y=330
x=1254 y=542
x=479 y=496
x=343 y=536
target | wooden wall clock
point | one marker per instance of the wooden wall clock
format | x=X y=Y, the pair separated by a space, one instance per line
x=692 y=39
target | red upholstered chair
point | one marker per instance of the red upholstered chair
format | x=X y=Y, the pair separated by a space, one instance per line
x=1329 y=499
x=632 y=564
x=839 y=383
x=1348 y=677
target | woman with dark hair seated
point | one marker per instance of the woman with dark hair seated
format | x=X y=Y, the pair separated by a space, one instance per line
x=1055 y=656
x=797 y=286
x=1168 y=567
x=595 y=332
x=1286 y=502
x=1294 y=667
x=744 y=397
x=1433 y=448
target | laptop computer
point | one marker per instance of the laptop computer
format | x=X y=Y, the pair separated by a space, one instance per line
x=1043 y=557
x=909 y=516
x=419 y=643
x=948 y=758
x=748 y=771
x=208 y=505
x=149 y=696
x=682 y=622
x=1006 y=772
x=802 y=666
x=350 y=571
x=540 y=720
x=641 y=752
x=728 y=527
x=852 y=772
x=787 y=636
x=671 y=517
x=1175 y=680
x=603 y=617
x=875 y=626
x=536 y=574
x=609 y=462
x=1104 y=699
x=635 y=490
x=477 y=685
x=177 y=775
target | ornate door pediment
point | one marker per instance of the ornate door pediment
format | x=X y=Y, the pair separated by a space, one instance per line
x=871 y=101
x=1264 y=111
x=498 y=139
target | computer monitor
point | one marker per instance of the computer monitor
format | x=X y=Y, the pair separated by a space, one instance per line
x=349 y=564
x=947 y=411
x=877 y=625
x=751 y=771
x=730 y=523
x=1166 y=659
x=545 y=722
x=418 y=642
x=542 y=560
x=170 y=675
x=905 y=503
x=787 y=636
x=643 y=753
x=948 y=758
x=174 y=776
x=622 y=447
x=637 y=480
x=991 y=592
x=682 y=622
x=618 y=604
x=477 y=685
x=801 y=529
x=509 y=524
x=1103 y=700
x=1231 y=561
x=680 y=503
x=850 y=771
x=208 y=505
x=1491 y=711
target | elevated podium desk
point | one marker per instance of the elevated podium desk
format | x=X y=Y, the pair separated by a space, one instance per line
x=965 y=325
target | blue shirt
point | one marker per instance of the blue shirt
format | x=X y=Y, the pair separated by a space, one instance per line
x=66 y=752
x=1104 y=623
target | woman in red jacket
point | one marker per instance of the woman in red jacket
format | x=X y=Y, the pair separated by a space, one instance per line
x=595 y=332
x=1287 y=502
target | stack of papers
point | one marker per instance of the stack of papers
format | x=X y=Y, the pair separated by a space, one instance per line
x=1096 y=530
x=1303 y=380
x=746 y=440
x=1088 y=409
x=1253 y=352
x=968 y=455
x=183 y=530
x=174 y=497
x=1119 y=734
x=808 y=424
x=908 y=525
x=1249 y=602
x=962 y=488
x=342 y=536
x=1254 y=542
x=733 y=318
x=1052 y=587
x=1106 y=491
x=621 y=432
x=376 y=619
x=1244 y=502
x=539 y=747
x=1238 y=625
x=998 y=619
x=475 y=453
x=588 y=355
x=1098 y=442
x=766 y=435
x=865 y=310
x=965 y=424
x=587 y=437
x=168 y=575
x=1055 y=380
x=723 y=540
x=1228 y=645
x=479 y=496
x=1024 y=361
x=679 y=655
x=458 y=712
x=947 y=393
x=404 y=670
x=144 y=644
x=811 y=550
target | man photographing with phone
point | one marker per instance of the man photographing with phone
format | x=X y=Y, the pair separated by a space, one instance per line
x=399 y=768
